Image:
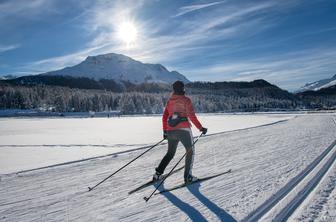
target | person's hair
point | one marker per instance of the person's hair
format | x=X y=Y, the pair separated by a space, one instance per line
x=178 y=88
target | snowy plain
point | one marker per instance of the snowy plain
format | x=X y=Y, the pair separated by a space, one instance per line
x=29 y=143
x=263 y=160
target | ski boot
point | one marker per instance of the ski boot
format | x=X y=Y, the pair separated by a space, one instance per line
x=190 y=179
x=157 y=176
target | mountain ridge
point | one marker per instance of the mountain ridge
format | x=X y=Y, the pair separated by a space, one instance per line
x=119 y=68
x=317 y=85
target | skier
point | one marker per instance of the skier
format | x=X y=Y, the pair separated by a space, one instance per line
x=176 y=128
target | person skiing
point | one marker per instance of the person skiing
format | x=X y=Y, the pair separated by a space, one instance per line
x=176 y=128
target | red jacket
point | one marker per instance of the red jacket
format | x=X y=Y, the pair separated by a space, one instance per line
x=182 y=105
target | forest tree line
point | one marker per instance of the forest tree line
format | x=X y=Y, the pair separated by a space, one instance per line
x=63 y=99
x=69 y=94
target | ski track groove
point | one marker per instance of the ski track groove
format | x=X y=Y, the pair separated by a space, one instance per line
x=326 y=186
x=289 y=209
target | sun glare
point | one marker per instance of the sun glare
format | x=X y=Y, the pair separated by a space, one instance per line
x=127 y=33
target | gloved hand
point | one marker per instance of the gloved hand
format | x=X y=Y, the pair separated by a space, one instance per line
x=204 y=130
x=164 y=134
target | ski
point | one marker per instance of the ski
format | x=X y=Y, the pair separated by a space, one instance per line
x=149 y=183
x=197 y=181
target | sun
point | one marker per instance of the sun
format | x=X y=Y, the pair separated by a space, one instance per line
x=127 y=33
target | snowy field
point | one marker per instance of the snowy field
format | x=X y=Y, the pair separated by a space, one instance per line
x=30 y=143
x=273 y=166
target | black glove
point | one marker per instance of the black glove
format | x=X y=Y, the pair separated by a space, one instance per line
x=204 y=130
x=164 y=134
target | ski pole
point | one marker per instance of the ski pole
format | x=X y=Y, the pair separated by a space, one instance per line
x=91 y=188
x=147 y=198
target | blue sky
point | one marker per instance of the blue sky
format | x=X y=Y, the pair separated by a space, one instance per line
x=287 y=42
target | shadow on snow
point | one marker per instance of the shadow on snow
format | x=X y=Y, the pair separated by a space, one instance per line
x=192 y=212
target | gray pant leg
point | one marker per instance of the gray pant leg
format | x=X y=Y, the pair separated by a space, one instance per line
x=172 y=145
x=187 y=141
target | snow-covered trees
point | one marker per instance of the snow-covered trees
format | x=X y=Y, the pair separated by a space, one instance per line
x=151 y=99
x=80 y=100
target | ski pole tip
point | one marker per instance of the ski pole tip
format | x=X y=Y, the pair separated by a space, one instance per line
x=146 y=199
x=90 y=188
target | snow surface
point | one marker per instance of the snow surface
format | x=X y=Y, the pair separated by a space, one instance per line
x=28 y=143
x=262 y=159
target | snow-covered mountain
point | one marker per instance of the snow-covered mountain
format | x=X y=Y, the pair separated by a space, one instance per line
x=120 y=67
x=324 y=83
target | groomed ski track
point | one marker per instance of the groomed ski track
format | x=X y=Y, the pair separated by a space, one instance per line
x=264 y=160
x=283 y=204
x=327 y=158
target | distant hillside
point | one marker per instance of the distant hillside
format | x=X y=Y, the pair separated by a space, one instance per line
x=120 y=68
x=324 y=98
x=67 y=81
x=87 y=83
x=258 y=95
x=254 y=88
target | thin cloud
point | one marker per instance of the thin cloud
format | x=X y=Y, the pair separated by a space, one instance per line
x=173 y=46
x=243 y=15
x=17 y=8
x=4 y=48
x=187 y=9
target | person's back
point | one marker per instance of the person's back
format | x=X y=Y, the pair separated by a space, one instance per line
x=181 y=106
x=176 y=128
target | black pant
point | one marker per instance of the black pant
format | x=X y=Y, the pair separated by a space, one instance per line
x=174 y=137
